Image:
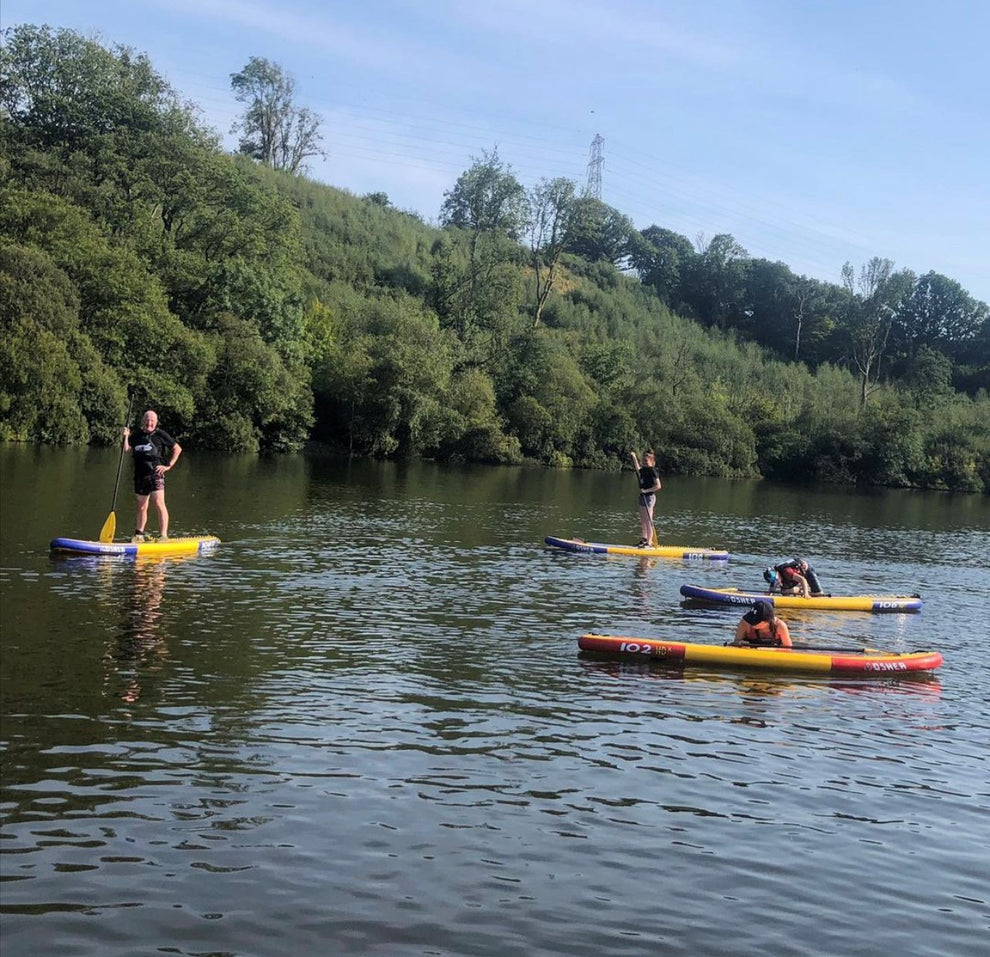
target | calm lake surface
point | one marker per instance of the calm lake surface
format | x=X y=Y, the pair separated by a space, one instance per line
x=362 y=726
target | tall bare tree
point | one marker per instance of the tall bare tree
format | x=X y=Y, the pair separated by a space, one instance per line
x=876 y=298
x=551 y=203
x=273 y=129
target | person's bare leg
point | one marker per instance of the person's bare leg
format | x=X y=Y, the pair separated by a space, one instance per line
x=158 y=497
x=142 y=514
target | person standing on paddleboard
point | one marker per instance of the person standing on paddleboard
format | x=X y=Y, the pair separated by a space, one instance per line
x=649 y=485
x=155 y=452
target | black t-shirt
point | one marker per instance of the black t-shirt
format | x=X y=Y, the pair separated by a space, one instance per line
x=150 y=450
x=648 y=477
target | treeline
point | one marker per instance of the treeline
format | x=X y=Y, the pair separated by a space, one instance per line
x=256 y=309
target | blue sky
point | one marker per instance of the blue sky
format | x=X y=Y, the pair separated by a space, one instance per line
x=814 y=131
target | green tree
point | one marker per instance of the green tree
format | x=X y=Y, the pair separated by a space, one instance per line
x=478 y=294
x=546 y=397
x=122 y=310
x=476 y=428
x=939 y=314
x=487 y=199
x=66 y=94
x=231 y=245
x=815 y=307
x=771 y=300
x=661 y=257
x=929 y=379
x=790 y=314
x=255 y=401
x=599 y=232
x=957 y=449
x=40 y=339
x=344 y=384
x=385 y=385
x=713 y=286
x=377 y=199
x=273 y=129
x=972 y=372
x=88 y=123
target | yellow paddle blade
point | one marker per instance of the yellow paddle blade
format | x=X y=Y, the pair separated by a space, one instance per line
x=109 y=528
x=654 y=541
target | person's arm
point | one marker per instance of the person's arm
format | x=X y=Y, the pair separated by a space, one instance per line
x=784 y=634
x=127 y=438
x=740 y=634
x=635 y=461
x=656 y=486
x=174 y=451
x=805 y=590
x=172 y=459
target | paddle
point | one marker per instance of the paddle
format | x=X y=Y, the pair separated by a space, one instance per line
x=110 y=525
x=798 y=646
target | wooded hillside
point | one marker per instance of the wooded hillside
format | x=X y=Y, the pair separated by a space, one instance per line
x=256 y=309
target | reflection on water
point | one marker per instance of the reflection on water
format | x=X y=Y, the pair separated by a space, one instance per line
x=762 y=685
x=140 y=646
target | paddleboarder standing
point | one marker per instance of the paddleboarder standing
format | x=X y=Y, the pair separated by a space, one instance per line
x=155 y=452
x=649 y=485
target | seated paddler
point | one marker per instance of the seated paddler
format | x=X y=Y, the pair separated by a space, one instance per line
x=761 y=626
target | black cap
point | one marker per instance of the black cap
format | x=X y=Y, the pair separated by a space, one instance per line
x=762 y=609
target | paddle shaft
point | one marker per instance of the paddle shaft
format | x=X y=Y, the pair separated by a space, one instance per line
x=120 y=461
x=802 y=646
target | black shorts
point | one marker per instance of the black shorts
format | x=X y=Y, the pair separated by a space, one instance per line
x=146 y=484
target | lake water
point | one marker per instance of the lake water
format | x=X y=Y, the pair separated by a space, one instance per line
x=362 y=726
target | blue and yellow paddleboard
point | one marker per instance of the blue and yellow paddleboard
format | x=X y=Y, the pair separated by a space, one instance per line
x=652 y=551
x=189 y=545
x=735 y=596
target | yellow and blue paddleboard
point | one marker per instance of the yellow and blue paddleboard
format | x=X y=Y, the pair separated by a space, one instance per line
x=649 y=551
x=188 y=545
x=735 y=596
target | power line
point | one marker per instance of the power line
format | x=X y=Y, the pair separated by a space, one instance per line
x=414 y=135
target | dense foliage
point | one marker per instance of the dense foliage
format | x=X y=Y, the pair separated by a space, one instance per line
x=256 y=309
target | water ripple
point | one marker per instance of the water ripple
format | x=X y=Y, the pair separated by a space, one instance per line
x=362 y=726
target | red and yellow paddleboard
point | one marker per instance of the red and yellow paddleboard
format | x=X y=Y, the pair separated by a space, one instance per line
x=846 y=661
